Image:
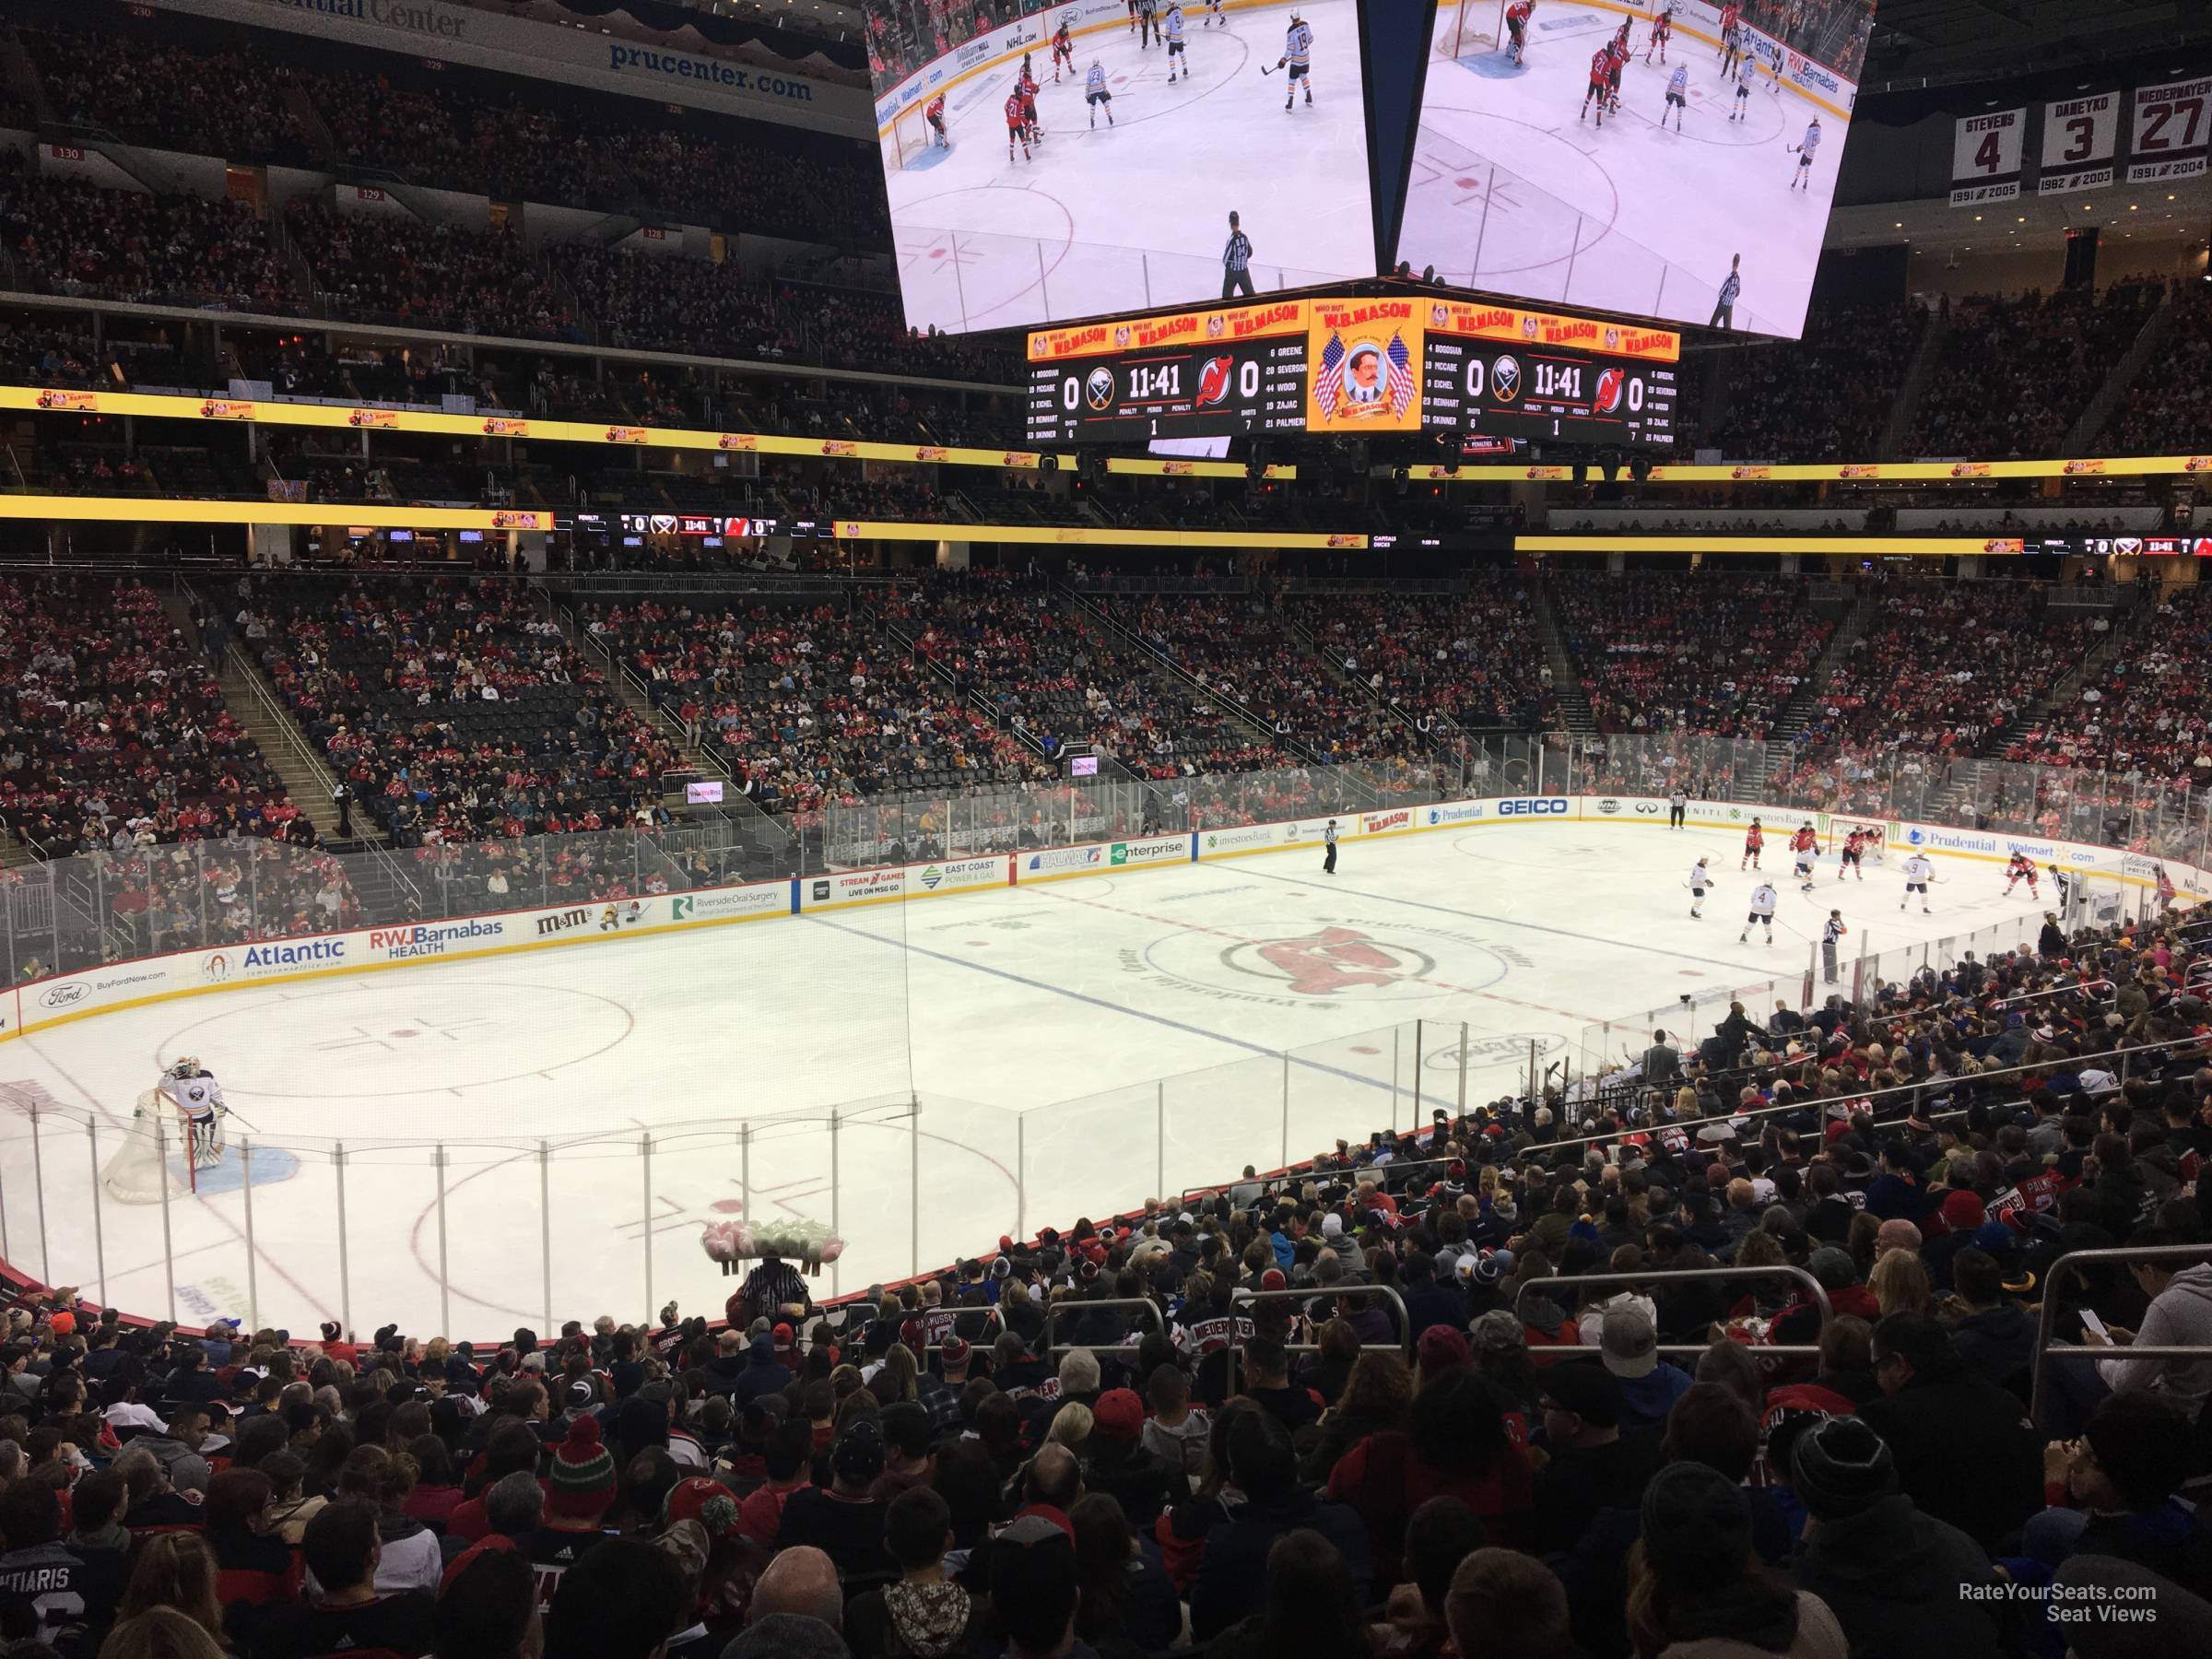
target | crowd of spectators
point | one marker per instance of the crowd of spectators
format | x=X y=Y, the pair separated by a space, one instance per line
x=399 y=270
x=2010 y=650
x=1716 y=656
x=2143 y=714
x=70 y=238
x=1827 y=398
x=2174 y=410
x=114 y=733
x=452 y=711
x=1246 y=650
x=1731 y=1352
x=2013 y=374
x=1050 y=672
x=809 y=704
x=1470 y=659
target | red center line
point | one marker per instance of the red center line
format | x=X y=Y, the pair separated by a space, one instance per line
x=1222 y=932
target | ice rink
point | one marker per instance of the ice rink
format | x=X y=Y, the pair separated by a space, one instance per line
x=992 y=1056
x=1134 y=216
x=1510 y=191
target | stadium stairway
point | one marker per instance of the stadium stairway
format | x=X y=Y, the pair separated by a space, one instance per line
x=630 y=691
x=1566 y=684
x=1924 y=357
x=1794 y=716
x=2147 y=340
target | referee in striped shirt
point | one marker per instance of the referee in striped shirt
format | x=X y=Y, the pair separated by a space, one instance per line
x=1236 y=261
x=773 y=1286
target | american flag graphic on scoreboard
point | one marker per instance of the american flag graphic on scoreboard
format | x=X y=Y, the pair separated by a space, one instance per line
x=1400 y=374
x=1329 y=384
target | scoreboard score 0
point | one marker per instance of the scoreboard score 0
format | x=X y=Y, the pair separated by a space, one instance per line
x=1358 y=366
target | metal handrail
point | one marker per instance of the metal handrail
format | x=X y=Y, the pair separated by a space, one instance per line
x=1403 y=1346
x=1052 y=1312
x=1644 y=1275
x=2072 y=1262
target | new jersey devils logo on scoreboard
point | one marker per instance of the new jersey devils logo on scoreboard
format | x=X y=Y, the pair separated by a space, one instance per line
x=1607 y=397
x=1213 y=380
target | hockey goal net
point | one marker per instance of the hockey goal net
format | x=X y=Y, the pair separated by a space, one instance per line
x=156 y=1146
x=906 y=140
x=1873 y=837
x=1470 y=29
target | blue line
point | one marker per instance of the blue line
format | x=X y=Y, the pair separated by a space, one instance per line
x=1099 y=1002
x=1446 y=909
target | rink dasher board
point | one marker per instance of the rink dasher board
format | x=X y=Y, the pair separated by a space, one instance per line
x=44 y=1004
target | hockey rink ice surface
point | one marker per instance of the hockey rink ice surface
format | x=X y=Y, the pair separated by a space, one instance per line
x=1629 y=217
x=977 y=1033
x=1134 y=217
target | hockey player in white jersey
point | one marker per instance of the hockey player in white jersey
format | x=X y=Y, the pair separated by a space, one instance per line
x=1805 y=149
x=1762 y=912
x=1919 y=872
x=1701 y=880
x=194 y=1091
x=1095 y=92
x=1677 y=95
x=1298 y=53
x=1175 y=42
x=1801 y=865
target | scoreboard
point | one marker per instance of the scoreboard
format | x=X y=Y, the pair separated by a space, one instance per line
x=1358 y=366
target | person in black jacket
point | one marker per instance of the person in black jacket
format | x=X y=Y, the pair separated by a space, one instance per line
x=1964 y=1448
x=1994 y=1334
x=1897 y=1581
x=1116 y=1462
x=1232 y=1573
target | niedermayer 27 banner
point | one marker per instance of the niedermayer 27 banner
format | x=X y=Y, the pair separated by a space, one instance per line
x=2166 y=138
x=2079 y=135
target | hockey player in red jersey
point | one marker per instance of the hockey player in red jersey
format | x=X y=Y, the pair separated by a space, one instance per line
x=1517 y=28
x=1620 y=51
x=1063 y=50
x=1017 y=124
x=1804 y=847
x=2022 y=869
x=1755 y=841
x=1662 y=27
x=1854 y=849
x=935 y=115
x=1601 y=83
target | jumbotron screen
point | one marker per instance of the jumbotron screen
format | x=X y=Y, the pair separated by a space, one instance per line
x=1671 y=158
x=1085 y=157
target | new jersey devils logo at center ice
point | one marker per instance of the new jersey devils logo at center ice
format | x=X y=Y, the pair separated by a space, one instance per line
x=1336 y=959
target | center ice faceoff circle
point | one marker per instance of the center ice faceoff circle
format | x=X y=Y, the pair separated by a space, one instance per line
x=357 y=1041
x=1334 y=963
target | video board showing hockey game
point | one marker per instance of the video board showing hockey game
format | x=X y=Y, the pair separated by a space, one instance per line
x=1046 y=162
x=1667 y=159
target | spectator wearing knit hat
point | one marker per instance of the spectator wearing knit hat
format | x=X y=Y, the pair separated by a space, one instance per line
x=1117 y=1462
x=579 y=1491
x=1894 y=1578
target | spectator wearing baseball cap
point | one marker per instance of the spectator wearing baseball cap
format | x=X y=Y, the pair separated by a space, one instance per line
x=1117 y=1462
x=844 y=1520
x=766 y=1369
x=1593 y=1465
x=1033 y=1590
x=1629 y=1347
x=1897 y=1580
x=940 y=1395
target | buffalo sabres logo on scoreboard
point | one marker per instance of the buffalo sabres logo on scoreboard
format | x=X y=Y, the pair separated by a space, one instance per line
x=1097 y=387
x=1505 y=378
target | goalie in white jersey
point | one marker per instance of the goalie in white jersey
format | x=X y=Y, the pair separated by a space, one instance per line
x=1919 y=872
x=193 y=1090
